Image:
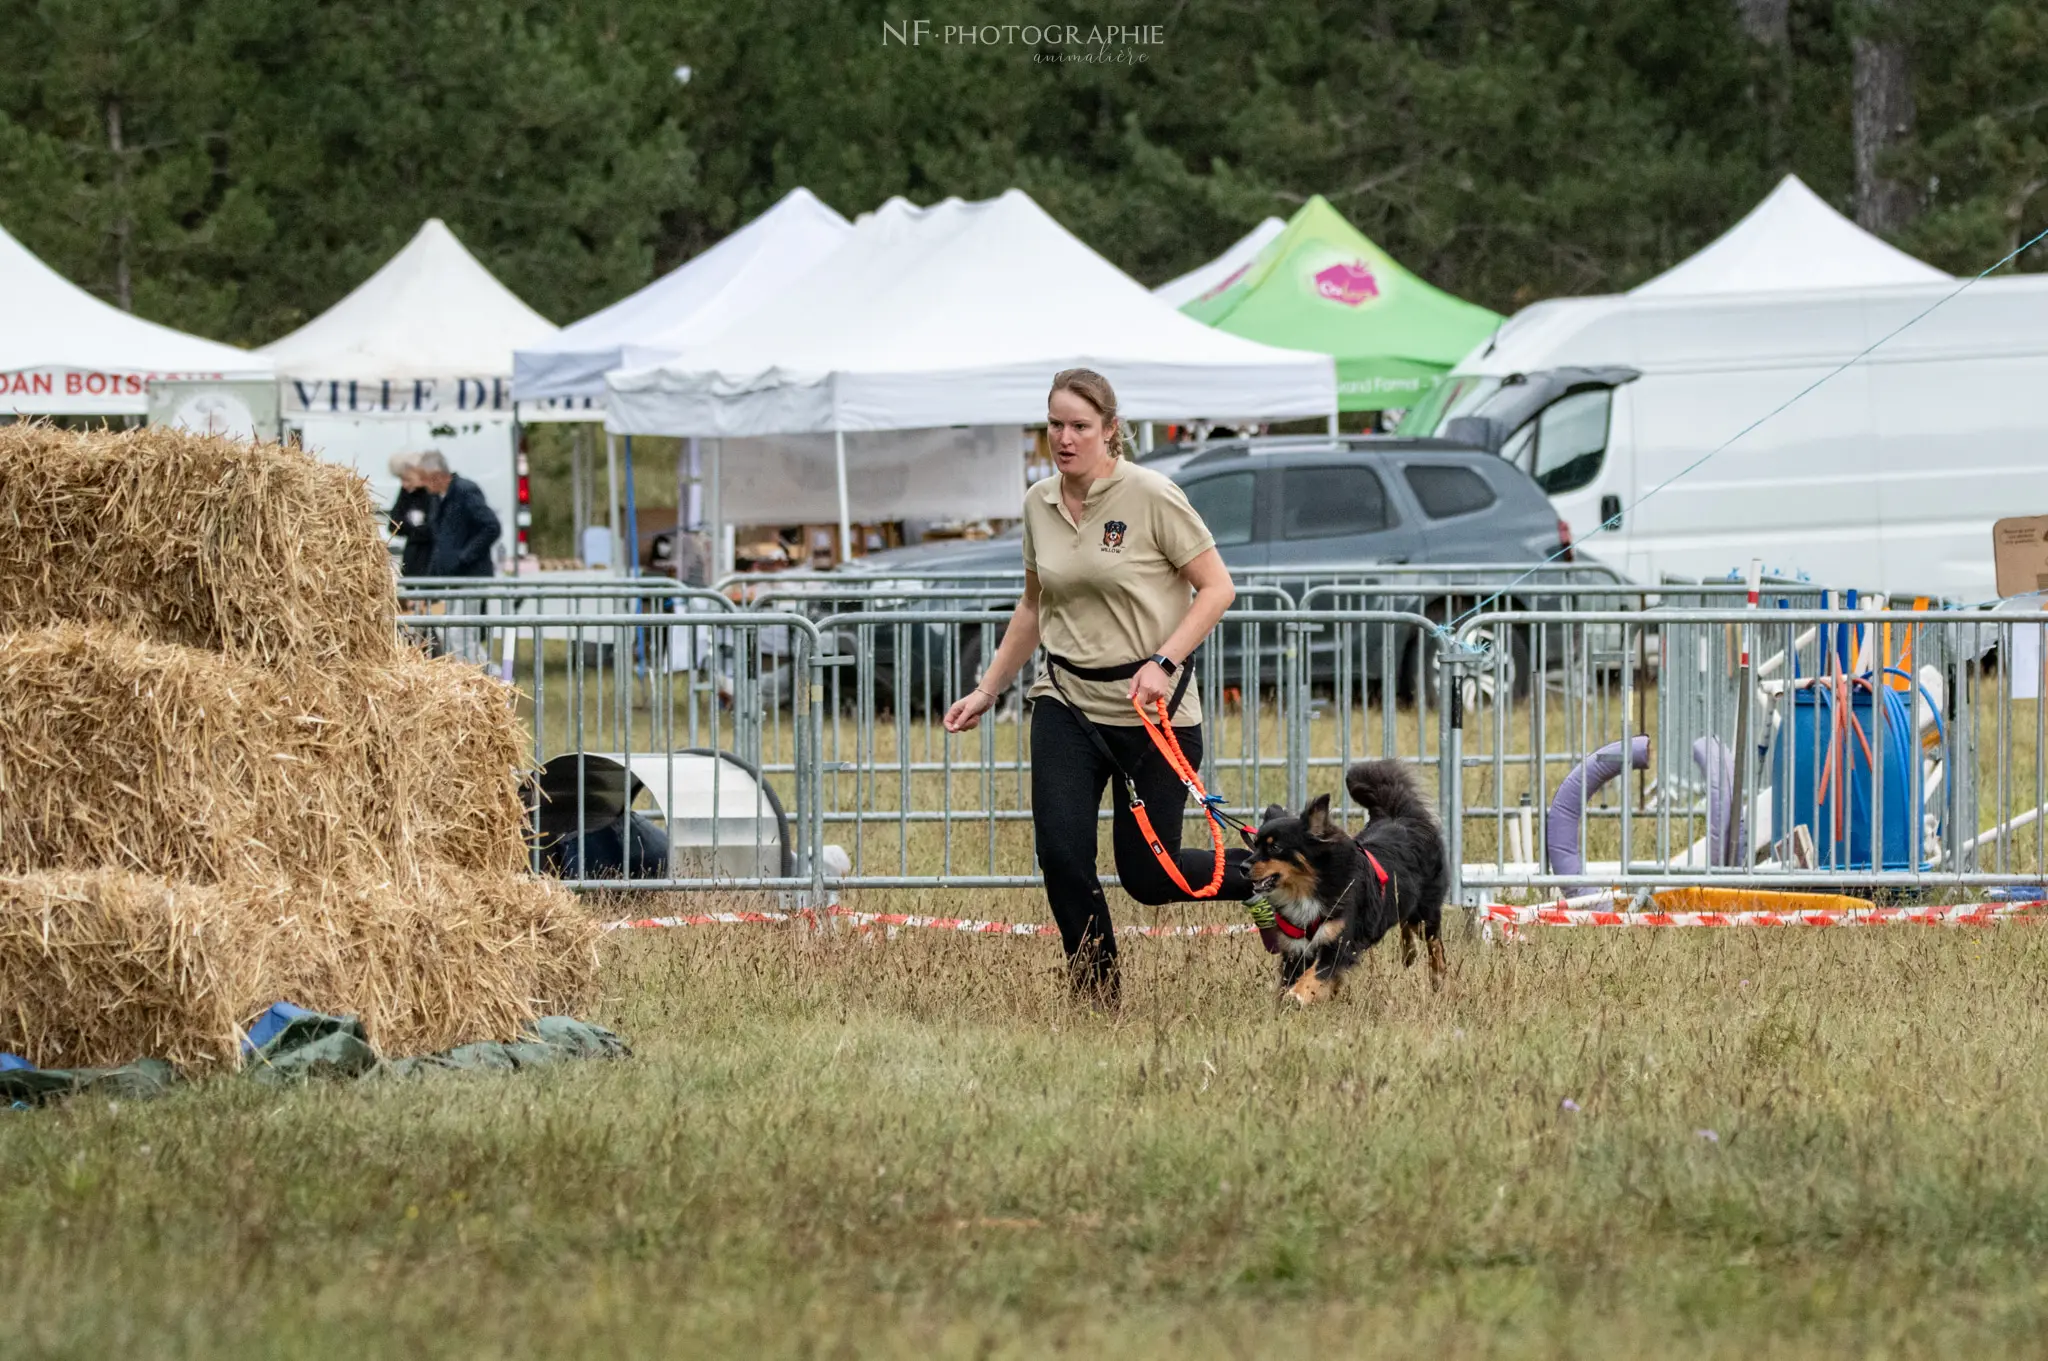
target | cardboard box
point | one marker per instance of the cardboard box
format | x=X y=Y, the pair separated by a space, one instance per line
x=2019 y=553
x=821 y=542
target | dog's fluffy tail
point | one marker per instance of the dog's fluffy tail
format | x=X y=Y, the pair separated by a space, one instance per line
x=1386 y=789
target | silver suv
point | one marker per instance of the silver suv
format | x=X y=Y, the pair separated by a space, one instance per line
x=1316 y=501
x=1310 y=503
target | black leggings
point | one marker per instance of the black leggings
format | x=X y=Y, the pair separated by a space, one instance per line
x=1067 y=775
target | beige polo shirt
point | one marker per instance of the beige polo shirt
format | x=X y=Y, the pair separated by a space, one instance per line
x=1110 y=588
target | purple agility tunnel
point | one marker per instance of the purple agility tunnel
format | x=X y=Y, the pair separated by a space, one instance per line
x=1568 y=809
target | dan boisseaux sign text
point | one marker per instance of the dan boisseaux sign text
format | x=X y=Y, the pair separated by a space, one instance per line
x=54 y=382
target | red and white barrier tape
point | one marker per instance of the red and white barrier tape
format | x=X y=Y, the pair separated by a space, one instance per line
x=965 y=925
x=704 y=919
x=1494 y=914
x=1961 y=914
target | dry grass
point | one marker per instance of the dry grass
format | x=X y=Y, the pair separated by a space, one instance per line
x=915 y=1148
x=102 y=967
x=256 y=551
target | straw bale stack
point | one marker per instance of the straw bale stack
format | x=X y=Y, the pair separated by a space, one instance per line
x=225 y=781
x=180 y=762
x=256 y=551
x=101 y=966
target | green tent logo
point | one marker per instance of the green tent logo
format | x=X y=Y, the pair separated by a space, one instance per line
x=1349 y=282
x=1323 y=285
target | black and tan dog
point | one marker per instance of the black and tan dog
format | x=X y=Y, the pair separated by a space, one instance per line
x=1335 y=895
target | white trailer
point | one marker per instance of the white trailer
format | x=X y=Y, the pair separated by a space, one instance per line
x=1886 y=473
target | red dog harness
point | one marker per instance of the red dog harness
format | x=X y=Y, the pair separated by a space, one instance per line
x=1293 y=932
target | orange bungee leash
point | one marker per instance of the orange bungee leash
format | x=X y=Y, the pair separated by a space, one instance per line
x=1163 y=738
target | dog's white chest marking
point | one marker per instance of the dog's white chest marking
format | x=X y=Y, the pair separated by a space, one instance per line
x=1300 y=911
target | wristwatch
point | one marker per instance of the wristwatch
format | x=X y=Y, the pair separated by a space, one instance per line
x=1165 y=663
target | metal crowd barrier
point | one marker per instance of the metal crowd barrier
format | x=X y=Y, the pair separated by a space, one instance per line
x=916 y=806
x=673 y=719
x=1866 y=749
x=1468 y=574
x=1879 y=749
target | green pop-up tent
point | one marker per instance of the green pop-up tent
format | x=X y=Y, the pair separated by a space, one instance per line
x=1321 y=285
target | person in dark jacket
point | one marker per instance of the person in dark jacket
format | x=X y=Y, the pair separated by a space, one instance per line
x=464 y=527
x=465 y=530
x=410 y=514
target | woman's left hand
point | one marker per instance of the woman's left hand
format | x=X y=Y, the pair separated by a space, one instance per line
x=1150 y=686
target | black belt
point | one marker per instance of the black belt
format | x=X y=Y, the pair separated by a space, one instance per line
x=1123 y=671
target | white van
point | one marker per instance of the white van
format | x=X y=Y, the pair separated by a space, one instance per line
x=1886 y=476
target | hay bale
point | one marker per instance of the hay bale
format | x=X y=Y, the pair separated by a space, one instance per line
x=258 y=551
x=183 y=763
x=105 y=966
x=225 y=781
x=448 y=753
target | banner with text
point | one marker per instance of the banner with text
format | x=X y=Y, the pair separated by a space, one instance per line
x=59 y=390
x=395 y=396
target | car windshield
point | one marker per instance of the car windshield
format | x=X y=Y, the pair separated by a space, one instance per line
x=1454 y=396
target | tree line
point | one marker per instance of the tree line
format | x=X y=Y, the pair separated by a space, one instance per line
x=233 y=167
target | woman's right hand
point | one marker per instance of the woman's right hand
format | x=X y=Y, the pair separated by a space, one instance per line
x=968 y=709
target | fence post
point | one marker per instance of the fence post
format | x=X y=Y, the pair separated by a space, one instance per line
x=1294 y=699
x=807 y=739
x=750 y=661
x=1451 y=767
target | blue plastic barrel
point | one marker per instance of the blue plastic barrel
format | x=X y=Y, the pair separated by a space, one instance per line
x=1800 y=754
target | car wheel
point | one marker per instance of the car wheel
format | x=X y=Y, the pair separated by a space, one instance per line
x=973 y=661
x=1508 y=678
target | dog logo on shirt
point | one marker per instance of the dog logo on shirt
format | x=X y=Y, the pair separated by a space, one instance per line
x=1113 y=536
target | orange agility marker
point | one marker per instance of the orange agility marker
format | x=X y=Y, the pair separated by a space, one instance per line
x=1753 y=900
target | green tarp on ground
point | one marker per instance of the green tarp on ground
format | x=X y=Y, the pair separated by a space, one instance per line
x=1322 y=285
x=314 y=1045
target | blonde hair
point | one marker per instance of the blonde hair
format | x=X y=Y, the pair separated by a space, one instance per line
x=1092 y=388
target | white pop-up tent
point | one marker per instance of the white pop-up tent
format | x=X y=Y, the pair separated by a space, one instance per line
x=562 y=377
x=419 y=356
x=64 y=352
x=1791 y=240
x=1220 y=271
x=694 y=300
x=1798 y=391
x=957 y=315
x=432 y=322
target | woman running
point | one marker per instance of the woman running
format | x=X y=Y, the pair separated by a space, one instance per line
x=1122 y=582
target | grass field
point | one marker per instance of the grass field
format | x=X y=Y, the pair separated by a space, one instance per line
x=1590 y=1144
x=1740 y=1144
